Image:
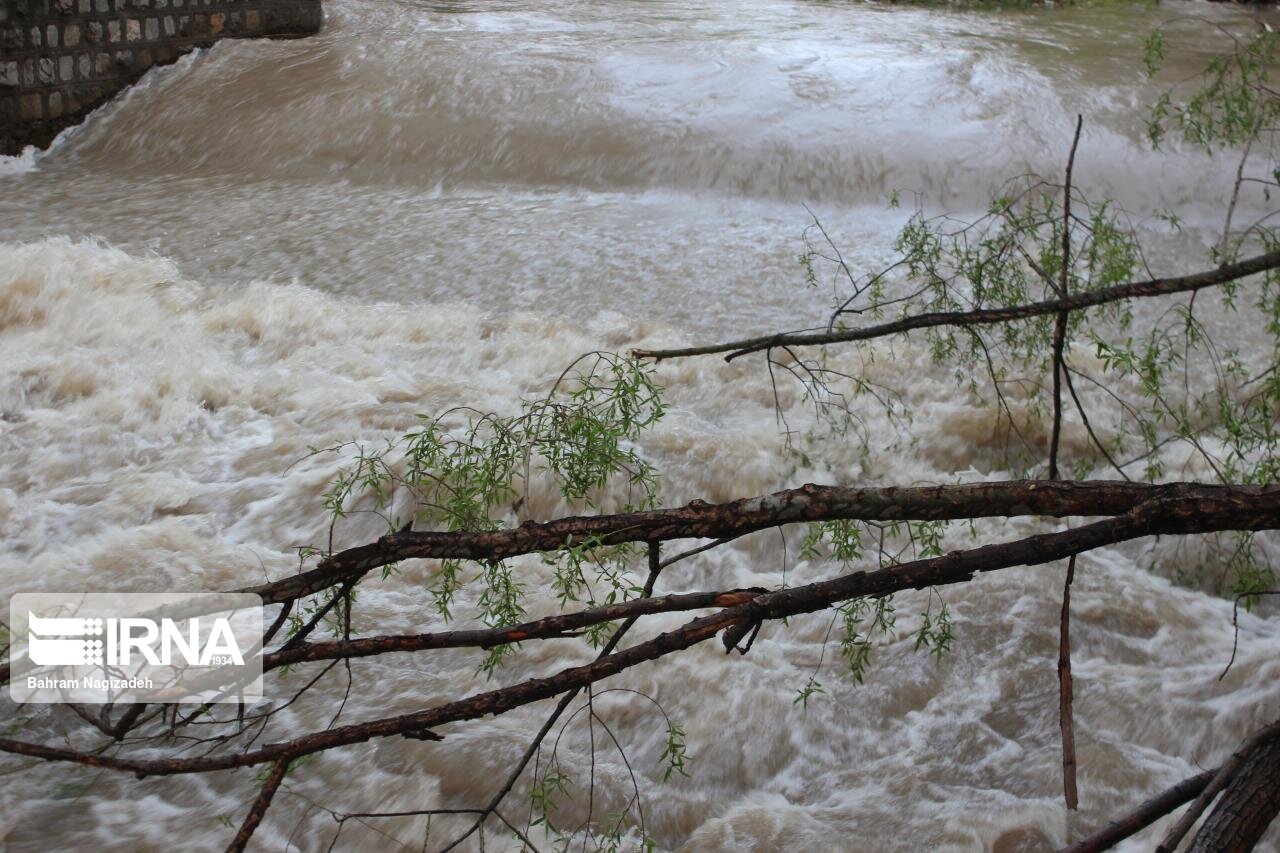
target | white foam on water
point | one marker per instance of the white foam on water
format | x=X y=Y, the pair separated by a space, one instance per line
x=155 y=435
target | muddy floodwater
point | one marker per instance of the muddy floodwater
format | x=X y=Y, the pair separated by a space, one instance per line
x=271 y=246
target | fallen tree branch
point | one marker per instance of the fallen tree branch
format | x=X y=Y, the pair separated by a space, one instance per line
x=981 y=316
x=1226 y=773
x=1229 y=510
x=1004 y=499
x=1143 y=816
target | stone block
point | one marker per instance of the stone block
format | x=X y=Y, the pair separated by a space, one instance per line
x=66 y=67
x=55 y=105
x=133 y=30
x=9 y=77
x=31 y=108
x=84 y=64
x=45 y=71
x=216 y=22
x=113 y=32
x=153 y=29
x=71 y=35
x=51 y=35
x=101 y=64
x=93 y=32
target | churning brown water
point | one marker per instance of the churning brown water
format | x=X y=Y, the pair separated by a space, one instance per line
x=275 y=245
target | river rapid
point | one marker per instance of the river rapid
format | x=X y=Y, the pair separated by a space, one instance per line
x=276 y=245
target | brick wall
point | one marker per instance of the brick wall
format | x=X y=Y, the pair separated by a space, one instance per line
x=59 y=59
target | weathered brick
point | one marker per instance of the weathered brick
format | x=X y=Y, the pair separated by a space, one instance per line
x=80 y=52
x=31 y=108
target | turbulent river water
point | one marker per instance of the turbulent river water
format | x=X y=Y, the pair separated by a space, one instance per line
x=276 y=245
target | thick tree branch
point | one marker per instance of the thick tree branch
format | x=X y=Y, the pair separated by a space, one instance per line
x=1228 y=510
x=1143 y=816
x=698 y=519
x=1226 y=773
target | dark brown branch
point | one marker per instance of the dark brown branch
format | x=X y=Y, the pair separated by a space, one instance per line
x=728 y=520
x=1143 y=816
x=1066 y=721
x=1228 y=510
x=1226 y=774
x=549 y=627
x=982 y=316
x=260 y=805
x=1247 y=807
x=1066 y=693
